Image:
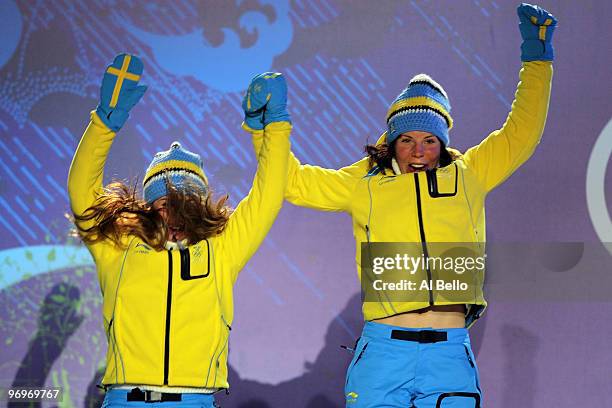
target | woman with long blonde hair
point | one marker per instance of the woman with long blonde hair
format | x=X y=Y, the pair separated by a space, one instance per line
x=167 y=262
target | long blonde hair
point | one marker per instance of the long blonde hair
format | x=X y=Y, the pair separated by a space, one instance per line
x=119 y=211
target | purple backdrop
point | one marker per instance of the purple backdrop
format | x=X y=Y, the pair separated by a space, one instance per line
x=297 y=300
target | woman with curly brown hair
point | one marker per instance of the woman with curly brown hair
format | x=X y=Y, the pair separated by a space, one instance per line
x=183 y=213
x=167 y=262
x=415 y=195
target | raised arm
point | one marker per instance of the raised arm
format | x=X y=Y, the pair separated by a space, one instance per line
x=255 y=214
x=506 y=149
x=87 y=168
x=316 y=187
x=118 y=94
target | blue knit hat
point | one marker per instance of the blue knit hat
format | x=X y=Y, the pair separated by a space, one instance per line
x=182 y=167
x=423 y=106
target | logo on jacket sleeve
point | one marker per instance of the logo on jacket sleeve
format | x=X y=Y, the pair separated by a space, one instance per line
x=351 y=397
x=387 y=179
x=141 y=248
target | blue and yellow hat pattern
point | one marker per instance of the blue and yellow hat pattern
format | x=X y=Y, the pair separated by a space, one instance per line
x=182 y=167
x=423 y=106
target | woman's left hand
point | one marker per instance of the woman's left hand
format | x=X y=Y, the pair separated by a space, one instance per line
x=537 y=27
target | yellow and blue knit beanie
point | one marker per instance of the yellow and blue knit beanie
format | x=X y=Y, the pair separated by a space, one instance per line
x=178 y=165
x=423 y=106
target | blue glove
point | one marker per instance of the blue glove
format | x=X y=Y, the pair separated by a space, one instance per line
x=253 y=105
x=537 y=27
x=120 y=91
x=266 y=101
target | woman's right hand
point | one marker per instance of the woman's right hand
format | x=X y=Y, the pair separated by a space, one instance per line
x=120 y=90
x=266 y=101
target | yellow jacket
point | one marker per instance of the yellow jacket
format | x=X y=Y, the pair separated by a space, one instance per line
x=167 y=314
x=406 y=207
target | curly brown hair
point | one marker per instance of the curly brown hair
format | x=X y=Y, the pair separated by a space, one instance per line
x=119 y=211
x=382 y=154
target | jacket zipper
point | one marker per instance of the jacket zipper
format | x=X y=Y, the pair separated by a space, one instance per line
x=423 y=240
x=168 y=310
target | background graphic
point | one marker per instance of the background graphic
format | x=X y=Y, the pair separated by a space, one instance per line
x=297 y=300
